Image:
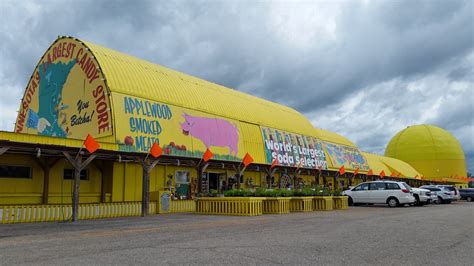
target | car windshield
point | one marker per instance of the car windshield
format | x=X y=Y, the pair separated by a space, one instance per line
x=406 y=185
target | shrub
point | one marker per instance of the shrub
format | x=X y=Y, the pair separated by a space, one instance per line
x=337 y=192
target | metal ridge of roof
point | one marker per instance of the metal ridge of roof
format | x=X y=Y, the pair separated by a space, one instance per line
x=136 y=77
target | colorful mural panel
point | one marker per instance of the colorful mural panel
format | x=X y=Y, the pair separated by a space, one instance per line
x=66 y=96
x=179 y=131
x=341 y=155
x=292 y=149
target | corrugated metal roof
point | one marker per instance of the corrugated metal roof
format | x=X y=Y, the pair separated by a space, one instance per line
x=376 y=164
x=332 y=137
x=401 y=167
x=135 y=77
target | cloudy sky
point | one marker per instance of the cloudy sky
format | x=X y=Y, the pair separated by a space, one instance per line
x=364 y=69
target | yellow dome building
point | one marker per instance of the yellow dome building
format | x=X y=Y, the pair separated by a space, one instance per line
x=431 y=150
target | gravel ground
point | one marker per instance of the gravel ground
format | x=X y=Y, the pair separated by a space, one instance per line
x=434 y=235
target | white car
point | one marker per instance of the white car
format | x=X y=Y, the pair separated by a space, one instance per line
x=381 y=192
x=422 y=196
x=443 y=195
x=453 y=189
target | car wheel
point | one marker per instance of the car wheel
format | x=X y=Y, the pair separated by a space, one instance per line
x=440 y=200
x=417 y=201
x=469 y=199
x=392 y=202
x=350 y=202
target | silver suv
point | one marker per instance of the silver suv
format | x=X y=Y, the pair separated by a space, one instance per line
x=444 y=196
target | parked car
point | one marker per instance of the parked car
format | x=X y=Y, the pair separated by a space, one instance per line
x=453 y=189
x=422 y=196
x=381 y=192
x=443 y=195
x=467 y=194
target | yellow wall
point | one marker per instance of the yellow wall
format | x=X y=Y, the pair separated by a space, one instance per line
x=30 y=191
x=21 y=191
x=60 y=190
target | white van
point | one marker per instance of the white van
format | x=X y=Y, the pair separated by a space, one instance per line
x=381 y=192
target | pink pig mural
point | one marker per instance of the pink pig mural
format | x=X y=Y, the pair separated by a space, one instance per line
x=212 y=132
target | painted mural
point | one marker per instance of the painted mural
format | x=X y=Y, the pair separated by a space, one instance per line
x=179 y=131
x=341 y=155
x=292 y=149
x=66 y=96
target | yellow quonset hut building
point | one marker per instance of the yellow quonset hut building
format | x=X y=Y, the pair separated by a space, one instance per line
x=127 y=104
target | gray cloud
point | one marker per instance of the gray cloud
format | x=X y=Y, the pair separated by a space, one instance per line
x=364 y=69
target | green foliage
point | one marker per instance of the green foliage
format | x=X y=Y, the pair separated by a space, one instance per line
x=321 y=191
x=239 y=193
x=306 y=191
x=259 y=192
x=337 y=192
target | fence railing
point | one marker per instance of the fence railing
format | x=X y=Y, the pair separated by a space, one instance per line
x=56 y=213
x=182 y=206
x=244 y=206
x=301 y=204
x=340 y=202
x=276 y=205
x=322 y=203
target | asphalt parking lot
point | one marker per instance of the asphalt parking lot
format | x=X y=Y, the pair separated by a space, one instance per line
x=434 y=235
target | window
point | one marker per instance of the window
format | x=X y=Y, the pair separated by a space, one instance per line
x=10 y=171
x=406 y=185
x=377 y=186
x=69 y=174
x=182 y=177
x=362 y=187
x=450 y=188
x=393 y=186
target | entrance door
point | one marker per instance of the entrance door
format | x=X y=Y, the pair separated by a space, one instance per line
x=213 y=180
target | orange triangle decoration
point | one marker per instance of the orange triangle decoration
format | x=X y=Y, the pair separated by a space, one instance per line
x=382 y=174
x=356 y=171
x=274 y=163
x=156 y=150
x=207 y=155
x=247 y=159
x=342 y=170
x=90 y=144
x=370 y=172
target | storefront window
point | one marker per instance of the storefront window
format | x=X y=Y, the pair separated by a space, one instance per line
x=10 y=171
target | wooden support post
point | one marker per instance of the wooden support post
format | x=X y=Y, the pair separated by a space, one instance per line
x=239 y=171
x=317 y=178
x=46 y=165
x=102 y=181
x=351 y=180
x=270 y=172
x=147 y=168
x=78 y=165
x=203 y=187
x=325 y=180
